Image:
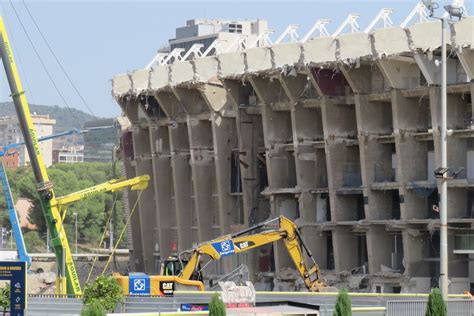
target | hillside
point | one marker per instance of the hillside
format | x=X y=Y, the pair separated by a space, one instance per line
x=64 y=119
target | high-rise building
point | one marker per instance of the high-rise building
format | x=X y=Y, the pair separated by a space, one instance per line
x=10 y=133
x=100 y=140
x=205 y=32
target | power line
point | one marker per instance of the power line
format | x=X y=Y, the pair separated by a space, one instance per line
x=41 y=61
x=19 y=59
x=57 y=61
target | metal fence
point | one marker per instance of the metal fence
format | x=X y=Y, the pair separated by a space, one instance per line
x=418 y=308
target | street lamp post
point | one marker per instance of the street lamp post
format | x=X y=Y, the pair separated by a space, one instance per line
x=75 y=220
x=442 y=172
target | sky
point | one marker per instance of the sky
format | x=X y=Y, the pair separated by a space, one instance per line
x=95 y=40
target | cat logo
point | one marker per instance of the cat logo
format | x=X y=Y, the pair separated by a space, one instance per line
x=167 y=288
x=244 y=244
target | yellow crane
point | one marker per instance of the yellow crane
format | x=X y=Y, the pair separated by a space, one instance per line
x=185 y=273
x=54 y=208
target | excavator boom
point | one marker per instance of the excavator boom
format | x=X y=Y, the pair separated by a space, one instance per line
x=286 y=231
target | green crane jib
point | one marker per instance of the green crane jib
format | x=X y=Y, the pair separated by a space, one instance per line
x=53 y=208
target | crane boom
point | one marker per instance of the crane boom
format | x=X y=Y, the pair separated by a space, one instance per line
x=59 y=241
x=68 y=280
x=16 y=229
x=4 y=151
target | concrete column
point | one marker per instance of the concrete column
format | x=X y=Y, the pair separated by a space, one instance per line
x=182 y=185
x=163 y=181
x=224 y=133
x=277 y=131
x=203 y=176
x=343 y=166
x=307 y=129
x=146 y=204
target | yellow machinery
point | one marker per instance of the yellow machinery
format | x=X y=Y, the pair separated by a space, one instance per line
x=182 y=272
x=54 y=208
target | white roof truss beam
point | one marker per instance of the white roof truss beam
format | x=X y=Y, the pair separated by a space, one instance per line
x=350 y=21
x=320 y=27
x=289 y=32
x=384 y=16
x=420 y=11
x=194 y=49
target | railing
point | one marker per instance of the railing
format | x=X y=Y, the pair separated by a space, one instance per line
x=418 y=307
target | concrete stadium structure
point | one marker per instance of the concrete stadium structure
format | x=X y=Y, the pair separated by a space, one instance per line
x=339 y=133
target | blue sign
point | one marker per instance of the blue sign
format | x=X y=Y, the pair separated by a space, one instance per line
x=15 y=272
x=224 y=248
x=194 y=307
x=138 y=284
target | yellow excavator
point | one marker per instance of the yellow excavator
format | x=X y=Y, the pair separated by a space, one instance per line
x=178 y=273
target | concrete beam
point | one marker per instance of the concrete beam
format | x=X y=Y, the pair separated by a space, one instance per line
x=258 y=59
x=352 y=47
x=121 y=85
x=319 y=51
x=400 y=73
x=232 y=65
x=390 y=41
x=205 y=69
x=466 y=58
x=432 y=72
x=159 y=77
x=288 y=54
x=181 y=72
x=270 y=91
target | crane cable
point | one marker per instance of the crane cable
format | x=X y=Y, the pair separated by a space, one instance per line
x=41 y=61
x=109 y=218
x=58 y=62
x=121 y=233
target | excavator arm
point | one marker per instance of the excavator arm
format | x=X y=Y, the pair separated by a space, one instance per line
x=242 y=241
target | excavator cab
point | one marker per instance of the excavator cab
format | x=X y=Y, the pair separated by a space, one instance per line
x=173 y=267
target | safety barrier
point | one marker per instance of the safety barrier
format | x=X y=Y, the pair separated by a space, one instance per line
x=418 y=307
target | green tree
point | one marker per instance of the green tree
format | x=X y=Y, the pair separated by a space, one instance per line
x=93 y=309
x=5 y=298
x=104 y=290
x=216 y=306
x=436 y=305
x=343 y=304
x=33 y=242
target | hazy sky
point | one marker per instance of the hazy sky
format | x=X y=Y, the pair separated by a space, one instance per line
x=95 y=40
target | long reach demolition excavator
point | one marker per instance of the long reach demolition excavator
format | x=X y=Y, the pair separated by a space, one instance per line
x=54 y=208
x=183 y=272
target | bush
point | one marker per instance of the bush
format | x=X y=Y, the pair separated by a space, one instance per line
x=5 y=298
x=94 y=309
x=436 y=305
x=216 y=306
x=343 y=304
x=105 y=291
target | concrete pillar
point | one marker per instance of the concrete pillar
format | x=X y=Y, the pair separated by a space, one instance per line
x=277 y=131
x=343 y=168
x=203 y=176
x=307 y=128
x=146 y=204
x=182 y=186
x=163 y=181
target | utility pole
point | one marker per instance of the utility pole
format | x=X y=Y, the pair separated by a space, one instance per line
x=443 y=173
x=443 y=210
x=75 y=222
